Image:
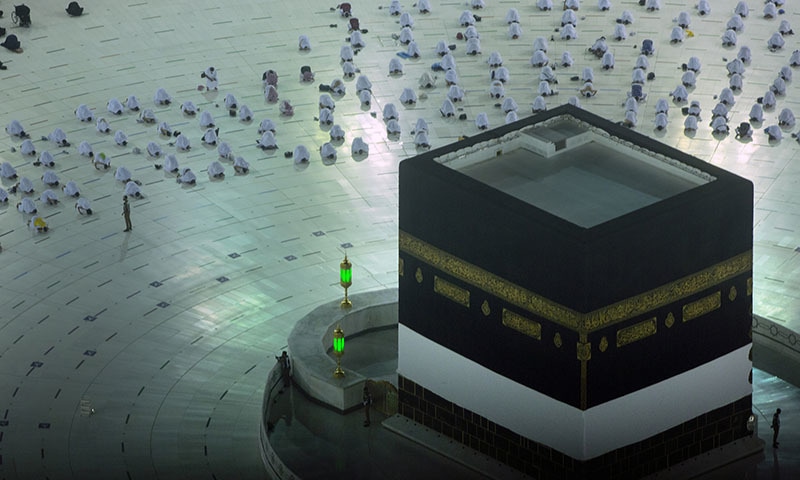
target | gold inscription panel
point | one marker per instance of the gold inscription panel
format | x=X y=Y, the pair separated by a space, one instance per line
x=636 y=332
x=521 y=324
x=450 y=291
x=701 y=307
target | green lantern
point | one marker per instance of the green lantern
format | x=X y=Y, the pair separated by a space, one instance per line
x=338 y=350
x=346 y=279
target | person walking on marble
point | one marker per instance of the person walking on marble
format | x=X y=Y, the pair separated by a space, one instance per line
x=367 y=402
x=776 y=427
x=126 y=213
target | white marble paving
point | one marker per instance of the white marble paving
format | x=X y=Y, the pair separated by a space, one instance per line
x=168 y=367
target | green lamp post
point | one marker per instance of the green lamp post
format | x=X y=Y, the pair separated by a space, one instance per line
x=346 y=279
x=338 y=350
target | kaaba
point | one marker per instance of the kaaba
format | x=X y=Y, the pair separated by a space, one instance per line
x=575 y=298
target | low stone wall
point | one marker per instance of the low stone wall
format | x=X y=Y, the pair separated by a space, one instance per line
x=776 y=349
x=274 y=465
x=312 y=337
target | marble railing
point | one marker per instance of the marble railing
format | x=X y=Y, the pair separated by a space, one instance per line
x=312 y=338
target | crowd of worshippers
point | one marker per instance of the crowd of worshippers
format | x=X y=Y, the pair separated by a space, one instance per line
x=45 y=153
x=32 y=197
x=498 y=74
x=444 y=63
x=568 y=32
x=720 y=115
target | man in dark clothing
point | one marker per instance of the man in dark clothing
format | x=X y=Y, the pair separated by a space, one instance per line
x=366 y=401
x=283 y=360
x=776 y=427
x=126 y=213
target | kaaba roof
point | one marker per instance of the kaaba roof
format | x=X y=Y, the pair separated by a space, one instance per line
x=576 y=166
x=575 y=171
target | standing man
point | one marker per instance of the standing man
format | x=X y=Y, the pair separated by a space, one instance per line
x=367 y=401
x=776 y=427
x=126 y=212
x=283 y=360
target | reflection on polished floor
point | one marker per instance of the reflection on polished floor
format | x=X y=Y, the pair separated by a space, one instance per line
x=313 y=441
x=342 y=448
x=167 y=332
